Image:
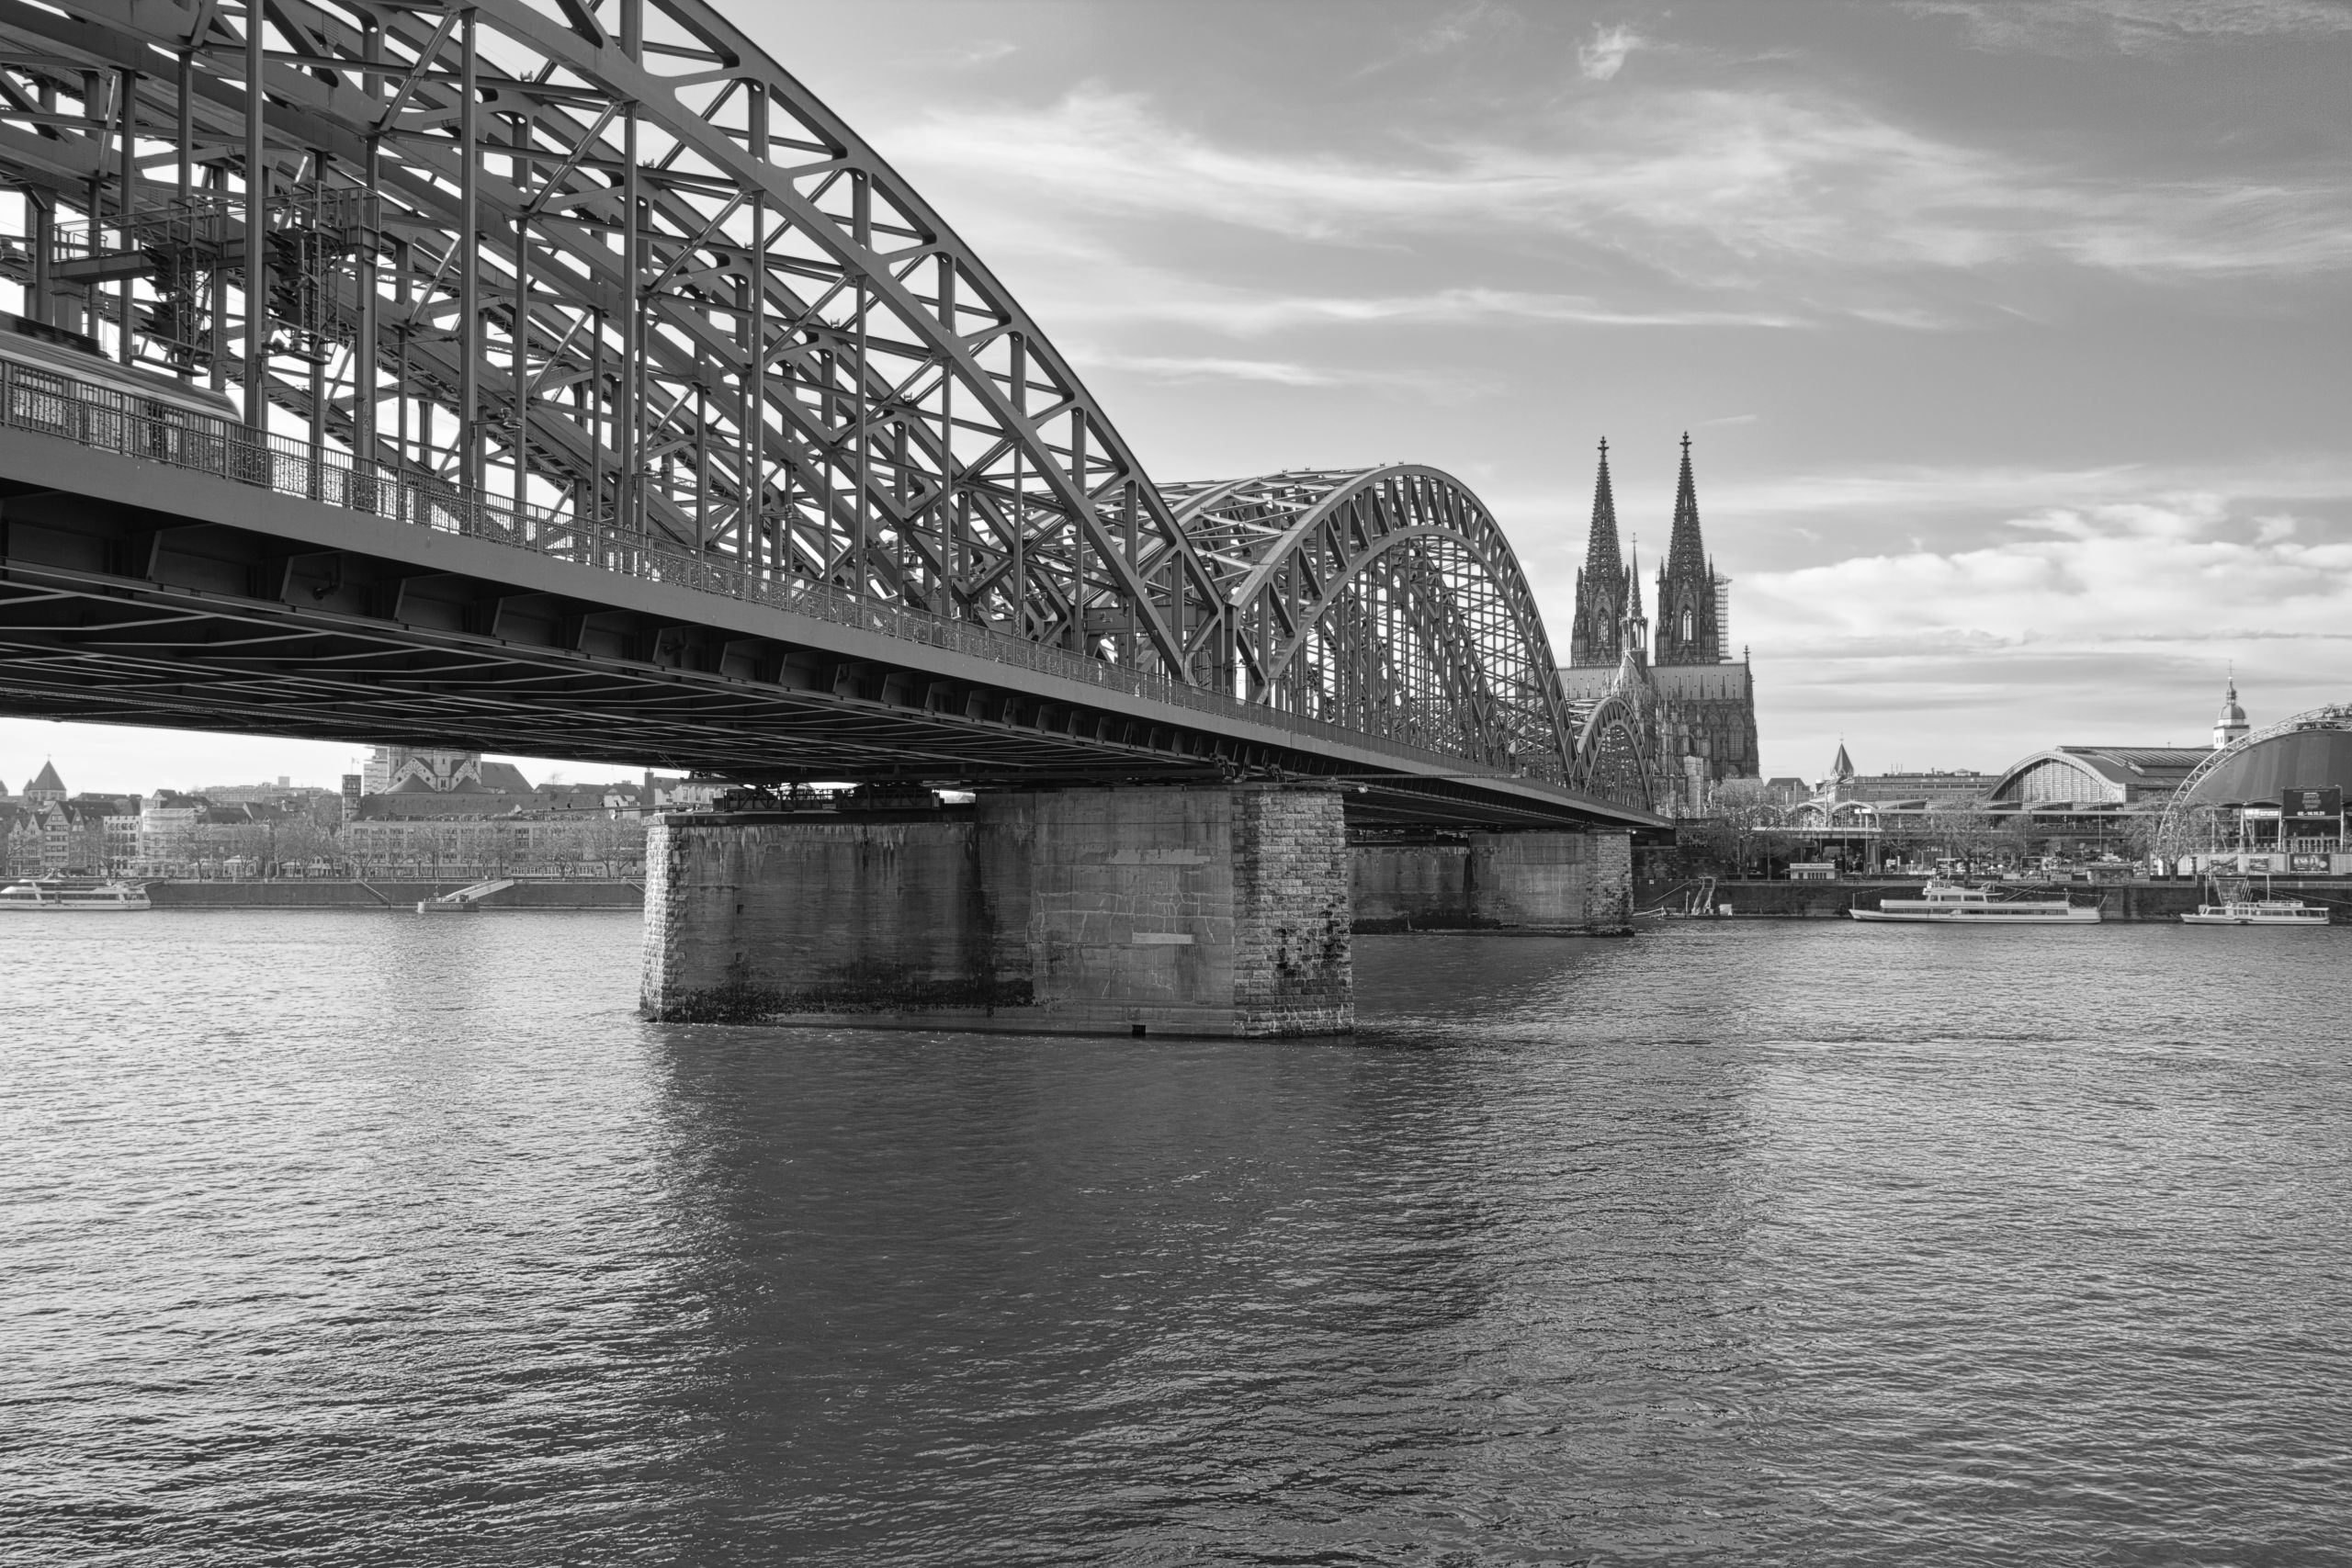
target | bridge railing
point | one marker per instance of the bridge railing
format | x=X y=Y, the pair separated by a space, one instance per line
x=121 y=421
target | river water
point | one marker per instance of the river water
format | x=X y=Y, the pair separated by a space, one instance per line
x=364 y=1238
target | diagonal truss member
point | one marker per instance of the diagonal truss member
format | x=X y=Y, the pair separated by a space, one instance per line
x=604 y=258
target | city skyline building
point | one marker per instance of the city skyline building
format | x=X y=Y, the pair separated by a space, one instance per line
x=437 y=771
x=45 y=786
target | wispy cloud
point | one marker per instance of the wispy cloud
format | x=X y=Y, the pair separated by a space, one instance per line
x=2107 y=622
x=1450 y=31
x=1429 y=383
x=2132 y=26
x=1714 y=188
x=1600 y=57
x=1212 y=367
x=966 y=55
x=988 y=52
x=1991 y=492
x=1240 y=312
x=2165 y=569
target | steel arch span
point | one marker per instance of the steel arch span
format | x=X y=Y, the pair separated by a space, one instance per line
x=599 y=280
x=1385 y=599
x=1610 y=760
x=605 y=257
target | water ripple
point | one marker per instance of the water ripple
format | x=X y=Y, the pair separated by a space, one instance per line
x=368 y=1239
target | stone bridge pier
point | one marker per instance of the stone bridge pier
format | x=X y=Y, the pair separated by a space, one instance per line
x=1567 y=883
x=1191 y=910
x=1218 y=909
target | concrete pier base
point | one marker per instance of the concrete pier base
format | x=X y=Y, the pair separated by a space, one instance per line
x=1213 y=909
x=1557 y=881
x=752 y=915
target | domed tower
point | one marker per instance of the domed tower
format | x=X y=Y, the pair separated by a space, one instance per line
x=2232 y=726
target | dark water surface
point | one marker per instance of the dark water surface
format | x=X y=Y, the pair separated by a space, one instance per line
x=361 y=1238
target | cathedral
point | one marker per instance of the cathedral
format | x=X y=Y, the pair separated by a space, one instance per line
x=1688 y=709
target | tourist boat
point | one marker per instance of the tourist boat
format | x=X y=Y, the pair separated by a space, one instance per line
x=2238 y=907
x=1948 y=903
x=51 y=897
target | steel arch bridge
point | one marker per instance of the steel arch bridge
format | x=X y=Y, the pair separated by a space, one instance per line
x=596 y=281
x=1387 y=601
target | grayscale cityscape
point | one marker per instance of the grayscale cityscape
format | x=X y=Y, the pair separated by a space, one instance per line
x=1688 y=912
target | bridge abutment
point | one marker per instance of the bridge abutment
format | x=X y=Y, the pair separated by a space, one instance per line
x=1581 y=881
x=1195 y=910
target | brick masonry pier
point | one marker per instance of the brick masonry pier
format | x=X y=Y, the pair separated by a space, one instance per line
x=1212 y=910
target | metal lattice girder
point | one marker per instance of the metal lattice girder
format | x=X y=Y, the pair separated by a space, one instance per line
x=607 y=254
x=1387 y=599
x=603 y=264
x=1610 y=762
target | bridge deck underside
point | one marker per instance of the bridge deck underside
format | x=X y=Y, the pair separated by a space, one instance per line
x=112 y=611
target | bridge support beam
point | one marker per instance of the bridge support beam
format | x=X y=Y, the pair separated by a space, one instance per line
x=1566 y=882
x=1195 y=910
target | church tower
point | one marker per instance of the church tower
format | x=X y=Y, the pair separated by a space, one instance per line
x=1634 y=638
x=1596 y=638
x=2227 y=729
x=45 y=786
x=1689 y=620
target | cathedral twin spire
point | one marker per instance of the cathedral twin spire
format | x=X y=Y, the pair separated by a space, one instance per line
x=1687 y=631
x=1602 y=587
x=1609 y=600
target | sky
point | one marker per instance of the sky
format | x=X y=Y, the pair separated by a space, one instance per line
x=2011 y=338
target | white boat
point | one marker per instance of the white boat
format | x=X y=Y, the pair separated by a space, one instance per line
x=46 y=897
x=2238 y=907
x=1948 y=903
x=2261 y=912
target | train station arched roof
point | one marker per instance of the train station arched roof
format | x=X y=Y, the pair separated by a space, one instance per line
x=2095 y=776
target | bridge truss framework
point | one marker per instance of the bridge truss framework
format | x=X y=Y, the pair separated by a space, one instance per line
x=596 y=279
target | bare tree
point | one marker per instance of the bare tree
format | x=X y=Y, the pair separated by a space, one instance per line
x=1731 y=837
x=1970 y=838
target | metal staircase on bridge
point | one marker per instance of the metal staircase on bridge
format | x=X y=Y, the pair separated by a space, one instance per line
x=1694 y=900
x=465 y=900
